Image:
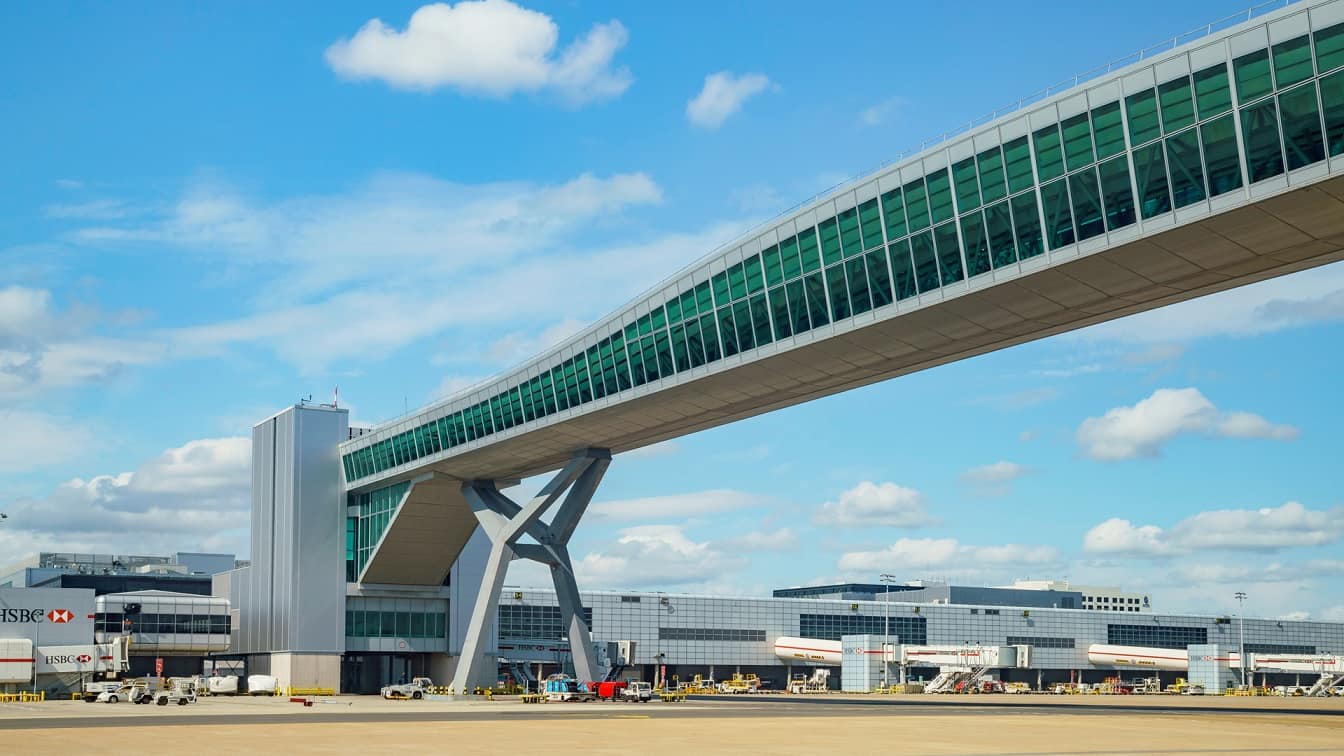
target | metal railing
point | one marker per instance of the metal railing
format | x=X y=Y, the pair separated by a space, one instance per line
x=1160 y=47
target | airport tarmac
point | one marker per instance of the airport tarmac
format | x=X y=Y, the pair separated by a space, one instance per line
x=1024 y=726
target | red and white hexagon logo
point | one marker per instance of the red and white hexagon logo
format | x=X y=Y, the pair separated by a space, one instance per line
x=60 y=616
x=83 y=658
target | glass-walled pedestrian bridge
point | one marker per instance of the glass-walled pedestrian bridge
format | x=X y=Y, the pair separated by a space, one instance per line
x=1213 y=165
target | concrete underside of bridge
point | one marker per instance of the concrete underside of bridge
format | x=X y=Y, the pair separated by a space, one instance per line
x=1289 y=232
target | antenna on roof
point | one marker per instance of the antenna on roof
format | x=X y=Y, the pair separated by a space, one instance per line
x=336 y=397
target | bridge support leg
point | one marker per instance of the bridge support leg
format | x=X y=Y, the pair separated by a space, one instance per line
x=504 y=523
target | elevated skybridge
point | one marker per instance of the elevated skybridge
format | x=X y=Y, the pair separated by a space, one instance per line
x=1212 y=165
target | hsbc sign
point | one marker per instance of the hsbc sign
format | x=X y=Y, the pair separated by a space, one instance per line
x=55 y=616
x=48 y=616
x=82 y=658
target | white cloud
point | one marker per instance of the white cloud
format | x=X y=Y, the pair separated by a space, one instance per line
x=723 y=95
x=654 y=555
x=520 y=345
x=882 y=112
x=40 y=440
x=1332 y=614
x=783 y=539
x=104 y=209
x=1141 y=430
x=1310 y=296
x=1266 y=529
x=995 y=477
x=492 y=47
x=869 y=504
x=680 y=506
x=185 y=497
x=916 y=553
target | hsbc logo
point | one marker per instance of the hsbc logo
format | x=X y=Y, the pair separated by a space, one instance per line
x=54 y=616
x=69 y=659
x=83 y=658
x=60 y=616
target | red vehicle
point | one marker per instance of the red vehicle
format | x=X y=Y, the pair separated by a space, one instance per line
x=608 y=690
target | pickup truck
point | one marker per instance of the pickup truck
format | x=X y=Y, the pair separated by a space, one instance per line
x=417 y=688
x=637 y=692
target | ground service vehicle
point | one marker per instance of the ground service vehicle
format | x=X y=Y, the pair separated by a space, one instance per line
x=417 y=689
x=561 y=687
x=180 y=692
x=640 y=692
x=93 y=689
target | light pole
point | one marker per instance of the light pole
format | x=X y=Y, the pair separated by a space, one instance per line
x=1241 y=659
x=887 y=580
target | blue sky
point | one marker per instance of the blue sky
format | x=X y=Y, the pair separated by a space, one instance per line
x=211 y=211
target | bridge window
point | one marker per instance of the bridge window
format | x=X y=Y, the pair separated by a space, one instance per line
x=1220 y=155
x=949 y=253
x=1212 y=92
x=1058 y=218
x=1049 y=153
x=916 y=205
x=860 y=301
x=977 y=246
x=879 y=277
x=1086 y=204
x=755 y=278
x=1252 y=74
x=711 y=634
x=940 y=196
x=1027 y=224
x=1017 y=163
x=1150 y=170
x=1117 y=193
x=1330 y=48
x=903 y=269
x=893 y=213
x=1332 y=94
x=709 y=332
x=1109 y=130
x=870 y=219
x=1077 y=141
x=695 y=344
x=999 y=229
x=1041 y=641
x=1292 y=62
x=737 y=281
x=912 y=630
x=829 y=230
x=835 y=281
x=990 y=164
x=1278 y=648
x=1187 y=171
x=926 y=265
x=760 y=320
x=1178 y=108
x=1260 y=132
x=793 y=290
x=1300 y=116
x=1141 y=108
x=968 y=191
x=816 y=300
x=779 y=312
x=850 y=239
x=1155 y=636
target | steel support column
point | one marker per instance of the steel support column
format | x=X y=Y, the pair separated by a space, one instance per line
x=504 y=523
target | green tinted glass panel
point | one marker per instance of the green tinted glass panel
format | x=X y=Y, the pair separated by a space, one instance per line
x=674 y=309
x=1260 y=138
x=797 y=306
x=709 y=333
x=1332 y=94
x=1178 y=105
x=774 y=267
x=688 y=303
x=999 y=229
x=835 y=284
x=1087 y=213
x=816 y=300
x=977 y=244
x=1049 y=153
x=1027 y=226
x=727 y=331
x=1077 y=141
x=893 y=214
x=644 y=326
x=659 y=316
x=1300 y=116
x=902 y=270
x=746 y=338
x=760 y=319
x=849 y=232
x=1017 y=163
x=870 y=223
x=1187 y=173
x=737 y=283
x=1252 y=74
x=949 y=253
x=1292 y=62
x=940 y=196
x=879 y=278
x=860 y=301
x=788 y=253
x=704 y=302
x=721 y=297
x=1141 y=110
x=663 y=345
x=679 y=353
x=1220 y=155
x=1150 y=174
x=1109 y=130
x=829 y=230
x=779 y=313
x=926 y=262
x=1058 y=216
x=916 y=205
x=1116 y=193
x=1212 y=93
x=808 y=251
x=990 y=165
x=968 y=187
x=1330 y=48
x=755 y=277
x=695 y=343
